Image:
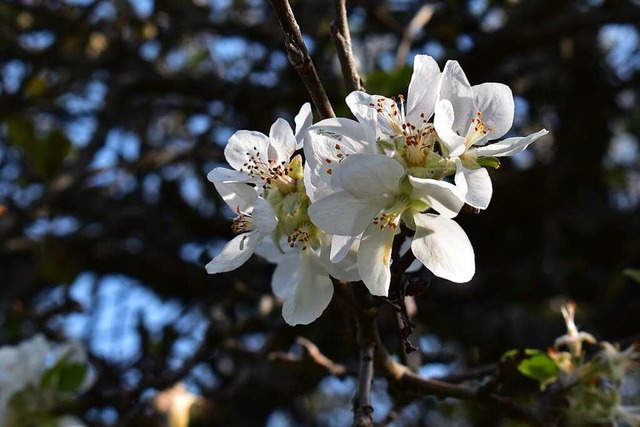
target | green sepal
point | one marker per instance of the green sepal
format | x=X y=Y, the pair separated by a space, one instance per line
x=489 y=162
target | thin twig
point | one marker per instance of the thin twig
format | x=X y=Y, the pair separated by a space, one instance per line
x=300 y=59
x=421 y=18
x=362 y=407
x=341 y=37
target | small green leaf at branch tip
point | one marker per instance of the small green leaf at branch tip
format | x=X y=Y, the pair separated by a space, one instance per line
x=537 y=365
x=66 y=377
x=632 y=274
x=489 y=162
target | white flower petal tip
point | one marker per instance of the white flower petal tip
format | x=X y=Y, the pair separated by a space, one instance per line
x=235 y=253
x=510 y=146
x=444 y=248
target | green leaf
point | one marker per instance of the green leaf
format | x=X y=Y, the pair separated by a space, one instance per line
x=64 y=376
x=539 y=366
x=45 y=152
x=392 y=82
x=632 y=274
x=71 y=377
x=489 y=162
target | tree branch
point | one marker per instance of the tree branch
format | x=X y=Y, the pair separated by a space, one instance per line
x=341 y=38
x=300 y=59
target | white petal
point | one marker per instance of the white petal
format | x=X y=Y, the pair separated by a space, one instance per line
x=237 y=195
x=263 y=216
x=326 y=144
x=509 y=146
x=345 y=268
x=475 y=185
x=286 y=275
x=443 y=247
x=316 y=187
x=235 y=253
x=227 y=175
x=352 y=135
x=495 y=102
x=342 y=214
x=303 y=120
x=423 y=89
x=442 y=196
x=374 y=259
x=267 y=249
x=370 y=175
x=360 y=105
x=310 y=292
x=455 y=87
x=283 y=142
x=443 y=124
x=340 y=246
x=245 y=144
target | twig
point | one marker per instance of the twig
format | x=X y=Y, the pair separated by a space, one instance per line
x=341 y=37
x=300 y=59
x=421 y=18
x=362 y=408
x=368 y=338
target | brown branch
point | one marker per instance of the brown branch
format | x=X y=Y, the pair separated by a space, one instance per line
x=341 y=38
x=300 y=59
x=401 y=378
x=362 y=407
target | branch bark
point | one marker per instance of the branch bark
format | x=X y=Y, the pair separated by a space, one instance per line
x=341 y=37
x=300 y=59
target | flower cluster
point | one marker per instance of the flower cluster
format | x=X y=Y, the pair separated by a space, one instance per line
x=407 y=164
x=36 y=378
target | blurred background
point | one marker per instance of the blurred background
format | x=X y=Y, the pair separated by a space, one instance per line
x=113 y=111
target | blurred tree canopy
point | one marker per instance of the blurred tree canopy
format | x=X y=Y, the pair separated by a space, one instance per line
x=113 y=111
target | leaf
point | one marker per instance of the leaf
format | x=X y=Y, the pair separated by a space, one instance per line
x=535 y=364
x=45 y=153
x=632 y=274
x=489 y=162
x=64 y=376
x=71 y=377
x=538 y=366
x=389 y=82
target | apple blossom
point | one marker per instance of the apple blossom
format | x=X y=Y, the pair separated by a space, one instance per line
x=466 y=119
x=267 y=190
x=376 y=195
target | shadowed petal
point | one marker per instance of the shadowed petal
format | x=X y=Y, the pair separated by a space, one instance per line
x=495 y=102
x=370 y=175
x=237 y=195
x=282 y=141
x=475 y=185
x=374 y=259
x=423 y=89
x=442 y=196
x=342 y=214
x=443 y=247
x=235 y=253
